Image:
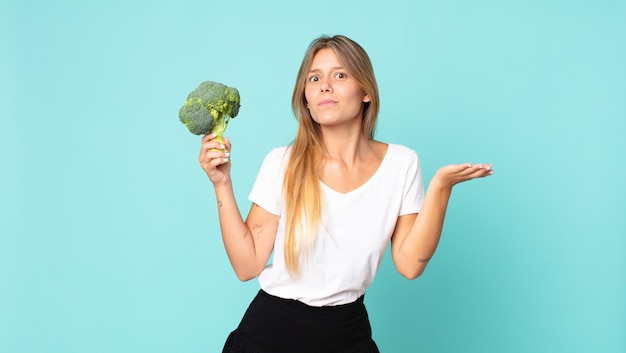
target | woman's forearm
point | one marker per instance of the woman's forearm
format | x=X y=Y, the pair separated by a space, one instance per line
x=416 y=242
x=419 y=244
x=236 y=235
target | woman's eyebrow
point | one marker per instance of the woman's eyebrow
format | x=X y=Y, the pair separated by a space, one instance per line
x=315 y=70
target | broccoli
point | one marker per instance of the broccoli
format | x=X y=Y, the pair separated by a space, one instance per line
x=209 y=108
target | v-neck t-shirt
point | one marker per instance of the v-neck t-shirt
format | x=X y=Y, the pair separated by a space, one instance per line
x=354 y=232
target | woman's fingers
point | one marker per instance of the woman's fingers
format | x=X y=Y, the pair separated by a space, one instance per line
x=458 y=173
x=212 y=157
x=209 y=143
x=476 y=171
x=215 y=157
x=213 y=153
x=208 y=137
x=484 y=169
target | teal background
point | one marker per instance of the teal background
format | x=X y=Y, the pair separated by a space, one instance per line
x=109 y=240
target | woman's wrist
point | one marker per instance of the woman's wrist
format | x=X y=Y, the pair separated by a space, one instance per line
x=439 y=184
x=224 y=186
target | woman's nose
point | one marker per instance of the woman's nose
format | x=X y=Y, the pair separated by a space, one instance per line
x=325 y=86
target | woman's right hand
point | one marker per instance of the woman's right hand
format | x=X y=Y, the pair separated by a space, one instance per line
x=453 y=174
x=215 y=159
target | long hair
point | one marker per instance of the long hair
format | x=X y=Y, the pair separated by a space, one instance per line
x=301 y=184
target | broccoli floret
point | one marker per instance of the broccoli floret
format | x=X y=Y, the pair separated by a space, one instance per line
x=209 y=108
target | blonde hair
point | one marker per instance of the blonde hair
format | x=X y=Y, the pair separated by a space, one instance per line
x=301 y=184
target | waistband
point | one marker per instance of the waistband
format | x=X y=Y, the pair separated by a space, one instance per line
x=353 y=309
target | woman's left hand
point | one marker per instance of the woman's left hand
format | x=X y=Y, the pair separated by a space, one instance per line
x=453 y=174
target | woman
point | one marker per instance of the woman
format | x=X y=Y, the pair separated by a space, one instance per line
x=327 y=206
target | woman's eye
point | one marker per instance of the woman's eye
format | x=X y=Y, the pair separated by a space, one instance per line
x=313 y=79
x=340 y=75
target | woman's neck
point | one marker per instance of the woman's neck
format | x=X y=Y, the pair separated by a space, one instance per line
x=345 y=145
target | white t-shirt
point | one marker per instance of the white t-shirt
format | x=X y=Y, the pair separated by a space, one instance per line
x=356 y=228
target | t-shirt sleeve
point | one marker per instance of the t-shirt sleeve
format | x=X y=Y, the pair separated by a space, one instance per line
x=413 y=191
x=267 y=188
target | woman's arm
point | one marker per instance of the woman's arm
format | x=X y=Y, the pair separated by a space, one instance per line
x=248 y=244
x=416 y=236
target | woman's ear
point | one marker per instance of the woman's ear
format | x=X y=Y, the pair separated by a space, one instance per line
x=366 y=98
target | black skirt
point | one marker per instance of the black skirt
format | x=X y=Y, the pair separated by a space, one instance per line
x=277 y=325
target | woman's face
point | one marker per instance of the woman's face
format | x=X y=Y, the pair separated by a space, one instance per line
x=333 y=96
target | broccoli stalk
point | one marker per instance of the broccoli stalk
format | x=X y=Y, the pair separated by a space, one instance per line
x=209 y=108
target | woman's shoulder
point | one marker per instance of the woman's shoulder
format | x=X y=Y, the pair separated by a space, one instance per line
x=401 y=151
x=401 y=148
x=277 y=156
x=278 y=152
